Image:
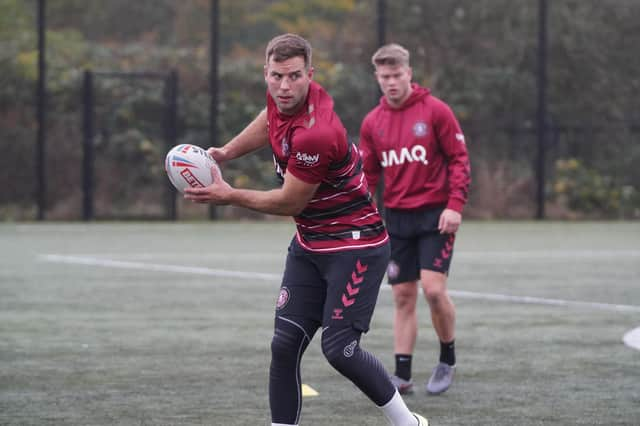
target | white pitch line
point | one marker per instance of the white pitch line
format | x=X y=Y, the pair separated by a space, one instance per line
x=120 y=264
x=544 y=301
x=549 y=254
x=107 y=263
x=632 y=338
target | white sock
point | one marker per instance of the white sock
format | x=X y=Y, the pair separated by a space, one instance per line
x=397 y=413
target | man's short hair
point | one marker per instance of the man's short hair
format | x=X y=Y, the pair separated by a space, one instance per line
x=287 y=46
x=391 y=54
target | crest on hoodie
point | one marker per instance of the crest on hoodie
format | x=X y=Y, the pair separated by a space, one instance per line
x=420 y=129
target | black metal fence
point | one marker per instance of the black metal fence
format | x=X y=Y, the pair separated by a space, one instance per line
x=518 y=171
x=109 y=112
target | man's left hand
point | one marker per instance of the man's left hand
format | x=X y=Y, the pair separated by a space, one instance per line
x=449 y=221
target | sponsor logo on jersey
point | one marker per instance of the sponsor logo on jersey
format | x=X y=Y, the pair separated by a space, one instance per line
x=460 y=137
x=283 y=298
x=420 y=129
x=307 y=160
x=417 y=153
x=355 y=235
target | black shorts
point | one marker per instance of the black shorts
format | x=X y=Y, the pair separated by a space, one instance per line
x=416 y=243
x=332 y=289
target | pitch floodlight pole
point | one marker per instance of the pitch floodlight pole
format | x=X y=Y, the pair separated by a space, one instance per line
x=214 y=34
x=41 y=101
x=542 y=106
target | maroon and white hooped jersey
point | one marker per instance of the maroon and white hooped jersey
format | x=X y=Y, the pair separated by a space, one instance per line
x=421 y=150
x=313 y=146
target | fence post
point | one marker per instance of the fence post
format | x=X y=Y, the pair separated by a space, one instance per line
x=542 y=107
x=214 y=53
x=41 y=108
x=171 y=135
x=87 y=147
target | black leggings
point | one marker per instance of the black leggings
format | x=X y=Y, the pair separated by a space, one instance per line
x=341 y=347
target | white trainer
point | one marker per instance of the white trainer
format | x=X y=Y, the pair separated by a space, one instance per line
x=441 y=378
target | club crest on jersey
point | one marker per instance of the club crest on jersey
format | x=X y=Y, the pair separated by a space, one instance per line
x=307 y=160
x=420 y=129
x=285 y=146
x=283 y=298
x=393 y=269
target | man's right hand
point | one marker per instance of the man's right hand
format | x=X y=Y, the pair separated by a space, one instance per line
x=216 y=193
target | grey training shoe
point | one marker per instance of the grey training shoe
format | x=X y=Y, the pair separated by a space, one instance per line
x=422 y=421
x=404 y=386
x=441 y=378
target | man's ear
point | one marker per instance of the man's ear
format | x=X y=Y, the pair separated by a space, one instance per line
x=310 y=73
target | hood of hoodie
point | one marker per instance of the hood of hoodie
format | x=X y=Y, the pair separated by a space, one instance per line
x=418 y=93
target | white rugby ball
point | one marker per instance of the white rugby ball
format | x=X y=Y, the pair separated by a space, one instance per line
x=189 y=166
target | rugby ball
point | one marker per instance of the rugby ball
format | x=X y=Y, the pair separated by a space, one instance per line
x=189 y=166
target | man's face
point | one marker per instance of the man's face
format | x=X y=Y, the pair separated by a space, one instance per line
x=395 y=82
x=288 y=83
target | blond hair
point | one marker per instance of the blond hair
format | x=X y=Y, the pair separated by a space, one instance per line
x=391 y=54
